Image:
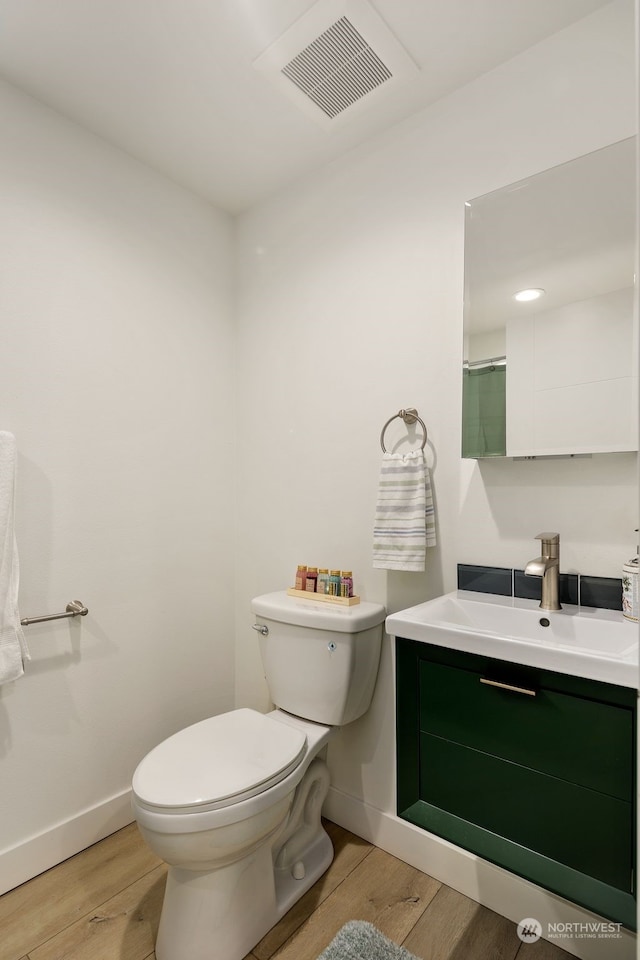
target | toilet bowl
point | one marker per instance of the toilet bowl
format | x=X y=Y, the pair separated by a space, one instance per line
x=239 y=854
x=233 y=803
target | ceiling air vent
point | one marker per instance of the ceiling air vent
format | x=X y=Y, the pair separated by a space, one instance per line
x=338 y=56
x=337 y=68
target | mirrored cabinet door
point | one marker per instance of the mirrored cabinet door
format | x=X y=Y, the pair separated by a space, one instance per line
x=550 y=318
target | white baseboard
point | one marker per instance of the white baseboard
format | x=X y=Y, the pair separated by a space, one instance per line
x=495 y=888
x=37 y=854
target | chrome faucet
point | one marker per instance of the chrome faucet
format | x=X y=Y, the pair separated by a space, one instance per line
x=547 y=567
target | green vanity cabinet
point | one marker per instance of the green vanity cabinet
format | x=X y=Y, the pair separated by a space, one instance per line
x=530 y=769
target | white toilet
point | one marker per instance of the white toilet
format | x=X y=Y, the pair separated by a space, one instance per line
x=233 y=803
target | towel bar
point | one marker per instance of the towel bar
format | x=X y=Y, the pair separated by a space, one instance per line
x=75 y=608
x=410 y=415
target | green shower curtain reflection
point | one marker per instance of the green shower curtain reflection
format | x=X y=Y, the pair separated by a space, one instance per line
x=484 y=420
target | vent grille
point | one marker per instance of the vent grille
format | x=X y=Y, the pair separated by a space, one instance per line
x=337 y=69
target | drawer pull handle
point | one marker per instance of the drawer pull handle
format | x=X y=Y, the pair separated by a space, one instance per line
x=508 y=686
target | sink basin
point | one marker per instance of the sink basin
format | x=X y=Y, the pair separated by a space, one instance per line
x=582 y=641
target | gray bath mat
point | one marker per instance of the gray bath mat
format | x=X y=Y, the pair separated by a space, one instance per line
x=358 y=940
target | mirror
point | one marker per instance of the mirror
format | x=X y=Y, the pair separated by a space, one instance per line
x=553 y=373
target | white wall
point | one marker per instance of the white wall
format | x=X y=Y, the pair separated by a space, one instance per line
x=351 y=308
x=116 y=345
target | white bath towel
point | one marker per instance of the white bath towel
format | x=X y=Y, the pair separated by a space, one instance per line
x=13 y=648
x=405 y=519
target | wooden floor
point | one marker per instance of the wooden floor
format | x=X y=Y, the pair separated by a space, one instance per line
x=104 y=904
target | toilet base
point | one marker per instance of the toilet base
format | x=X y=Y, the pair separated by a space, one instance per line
x=303 y=851
x=221 y=913
x=316 y=861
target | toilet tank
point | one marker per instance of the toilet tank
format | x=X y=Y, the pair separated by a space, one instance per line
x=320 y=660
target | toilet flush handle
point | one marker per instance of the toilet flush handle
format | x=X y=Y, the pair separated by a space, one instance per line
x=261 y=628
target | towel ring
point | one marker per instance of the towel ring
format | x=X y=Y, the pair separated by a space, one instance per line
x=410 y=415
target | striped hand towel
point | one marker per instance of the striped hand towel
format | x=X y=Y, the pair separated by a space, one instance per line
x=405 y=522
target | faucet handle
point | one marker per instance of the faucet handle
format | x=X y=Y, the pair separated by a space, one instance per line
x=549 y=537
x=550 y=545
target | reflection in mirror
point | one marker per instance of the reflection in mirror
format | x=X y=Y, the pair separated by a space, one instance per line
x=550 y=335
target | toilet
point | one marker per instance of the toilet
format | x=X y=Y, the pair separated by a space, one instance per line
x=232 y=804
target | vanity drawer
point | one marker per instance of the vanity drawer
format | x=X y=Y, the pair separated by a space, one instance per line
x=580 y=740
x=543 y=786
x=582 y=829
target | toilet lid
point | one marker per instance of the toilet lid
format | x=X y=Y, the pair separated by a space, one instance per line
x=219 y=761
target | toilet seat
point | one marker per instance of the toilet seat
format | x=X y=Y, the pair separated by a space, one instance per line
x=218 y=762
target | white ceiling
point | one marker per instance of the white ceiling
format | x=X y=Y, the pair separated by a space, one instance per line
x=172 y=81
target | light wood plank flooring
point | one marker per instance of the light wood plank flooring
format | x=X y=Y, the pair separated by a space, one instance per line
x=104 y=904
